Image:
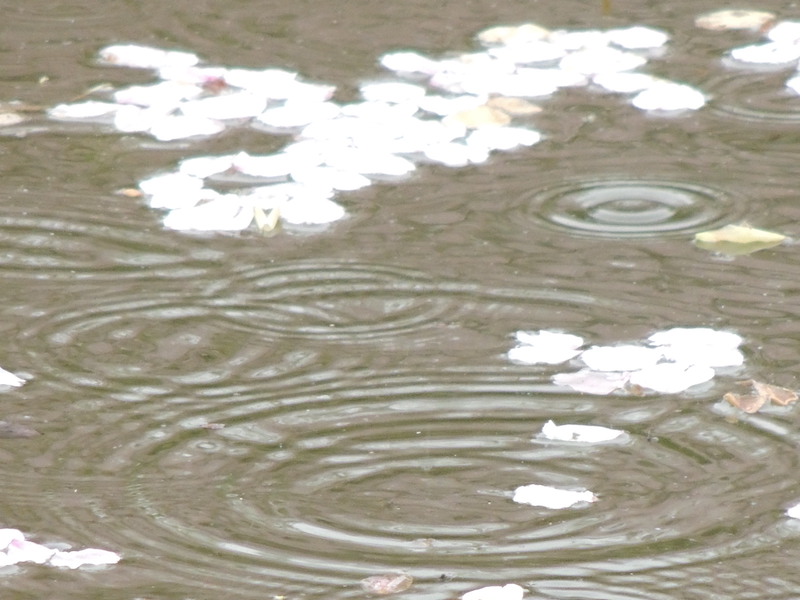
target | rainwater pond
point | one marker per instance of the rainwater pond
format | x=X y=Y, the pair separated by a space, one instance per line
x=284 y=414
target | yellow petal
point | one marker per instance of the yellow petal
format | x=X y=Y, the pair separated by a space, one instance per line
x=740 y=234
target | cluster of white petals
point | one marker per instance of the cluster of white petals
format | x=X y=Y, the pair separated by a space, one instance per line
x=669 y=362
x=454 y=111
x=781 y=48
x=14 y=549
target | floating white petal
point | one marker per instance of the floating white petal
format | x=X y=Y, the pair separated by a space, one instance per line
x=79 y=558
x=721 y=20
x=545 y=347
x=550 y=497
x=668 y=96
x=503 y=138
x=771 y=53
x=240 y=105
x=311 y=211
x=601 y=60
x=164 y=94
x=392 y=91
x=223 y=214
x=785 y=32
x=144 y=57
x=176 y=127
x=14 y=548
x=620 y=358
x=90 y=109
x=696 y=336
x=670 y=377
x=625 y=82
x=409 y=62
x=793 y=511
x=298 y=114
x=637 y=37
x=510 y=591
x=8 y=378
x=592 y=382
x=580 y=433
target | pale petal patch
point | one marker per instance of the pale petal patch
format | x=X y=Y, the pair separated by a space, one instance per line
x=580 y=433
x=550 y=497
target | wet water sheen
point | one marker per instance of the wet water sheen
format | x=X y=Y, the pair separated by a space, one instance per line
x=372 y=422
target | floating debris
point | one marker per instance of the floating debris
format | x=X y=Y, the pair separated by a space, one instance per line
x=550 y=497
x=8 y=378
x=759 y=395
x=545 y=347
x=388 y=583
x=722 y=20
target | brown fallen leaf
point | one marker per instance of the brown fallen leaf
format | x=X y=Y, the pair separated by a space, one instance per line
x=387 y=583
x=759 y=395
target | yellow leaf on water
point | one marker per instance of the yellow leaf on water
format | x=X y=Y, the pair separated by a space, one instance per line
x=738 y=239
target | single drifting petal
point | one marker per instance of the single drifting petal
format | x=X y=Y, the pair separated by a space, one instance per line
x=513 y=34
x=409 y=62
x=625 y=82
x=793 y=83
x=785 y=32
x=592 y=382
x=144 y=57
x=503 y=138
x=79 y=558
x=298 y=114
x=671 y=378
x=510 y=591
x=550 y=497
x=396 y=92
x=696 y=336
x=91 y=109
x=668 y=96
x=579 y=39
x=793 y=511
x=579 y=433
x=330 y=177
x=637 y=37
x=536 y=51
x=311 y=211
x=206 y=166
x=176 y=127
x=239 y=105
x=162 y=94
x=770 y=53
x=620 y=358
x=8 y=378
x=601 y=60
x=545 y=347
x=274 y=83
x=448 y=105
x=455 y=154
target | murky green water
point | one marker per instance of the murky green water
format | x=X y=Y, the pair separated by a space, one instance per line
x=372 y=420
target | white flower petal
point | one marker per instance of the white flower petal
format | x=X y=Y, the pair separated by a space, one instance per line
x=409 y=62
x=311 y=211
x=27 y=551
x=550 y=497
x=503 y=138
x=620 y=358
x=8 y=378
x=222 y=214
x=90 y=109
x=771 y=53
x=510 y=591
x=695 y=336
x=392 y=91
x=170 y=183
x=601 y=60
x=529 y=53
x=671 y=378
x=206 y=166
x=144 y=57
x=272 y=83
x=785 y=32
x=164 y=94
x=592 y=382
x=176 y=127
x=625 y=82
x=637 y=37
x=240 y=105
x=669 y=96
x=79 y=558
x=793 y=511
x=298 y=114
x=330 y=177
x=580 y=433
